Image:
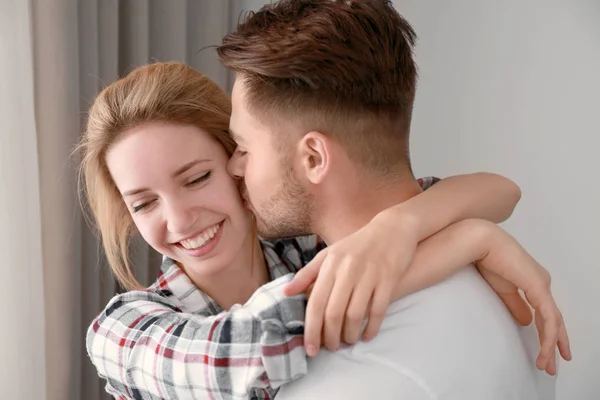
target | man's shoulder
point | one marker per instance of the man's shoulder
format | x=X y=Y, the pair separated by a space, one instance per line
x=453 y=331
x=464 y=297
x=347 y=375
x=440 y=339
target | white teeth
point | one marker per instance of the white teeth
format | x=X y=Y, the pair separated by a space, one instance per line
x=201 y=239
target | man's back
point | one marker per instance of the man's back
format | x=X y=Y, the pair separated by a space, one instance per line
x=455 y=340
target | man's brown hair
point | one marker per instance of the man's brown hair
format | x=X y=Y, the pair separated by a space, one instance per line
x=344 y=68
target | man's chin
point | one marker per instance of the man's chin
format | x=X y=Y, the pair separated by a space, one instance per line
x=270 y=232
x=271 y=236
x=266 y=233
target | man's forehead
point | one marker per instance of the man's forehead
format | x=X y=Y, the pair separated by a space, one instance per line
x=234 y=133
x=244 y=127
x=238 y=123
x=247 y=132
x=239 y=115
x=237 y=93
x=235 y=123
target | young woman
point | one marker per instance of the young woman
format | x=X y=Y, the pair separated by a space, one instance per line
x=217 y=323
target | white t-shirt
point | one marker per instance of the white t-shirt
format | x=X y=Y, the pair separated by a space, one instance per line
x=453 y=341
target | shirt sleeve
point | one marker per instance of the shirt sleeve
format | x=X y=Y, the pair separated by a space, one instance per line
x=428 y=181
x=291 y=254
x=146 y=348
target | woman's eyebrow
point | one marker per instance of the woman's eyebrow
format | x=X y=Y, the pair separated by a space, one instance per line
x=175 y=174
x=134 y=191
x=187 y=167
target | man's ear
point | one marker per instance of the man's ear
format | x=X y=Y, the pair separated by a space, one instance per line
x=315 y=150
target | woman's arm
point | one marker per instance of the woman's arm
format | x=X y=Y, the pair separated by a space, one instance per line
x=481 y=195
x=505 y=265
x=145 y=347
x=368 y=263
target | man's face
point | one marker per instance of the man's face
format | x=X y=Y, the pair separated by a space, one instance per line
x=271 y=189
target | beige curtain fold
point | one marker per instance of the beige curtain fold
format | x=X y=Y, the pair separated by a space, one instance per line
x=22 y=356
x=79 y=47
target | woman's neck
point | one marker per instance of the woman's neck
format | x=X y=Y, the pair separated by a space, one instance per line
x=236 y=283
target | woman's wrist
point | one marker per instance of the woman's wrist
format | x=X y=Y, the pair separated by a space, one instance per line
x=402 y=220
x=485 y=233
x=445 y=252
x=494 y=249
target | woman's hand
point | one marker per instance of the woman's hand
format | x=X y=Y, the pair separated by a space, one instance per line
x=506 y=266
x=354 y=280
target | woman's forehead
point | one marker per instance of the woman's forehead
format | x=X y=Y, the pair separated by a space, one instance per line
x=160 y=150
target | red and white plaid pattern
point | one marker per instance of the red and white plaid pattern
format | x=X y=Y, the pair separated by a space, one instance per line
x=172 y=341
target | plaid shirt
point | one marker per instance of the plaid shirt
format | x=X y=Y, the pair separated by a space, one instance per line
x=172 y=341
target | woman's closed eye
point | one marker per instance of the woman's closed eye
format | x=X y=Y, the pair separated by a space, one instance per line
x=202 y=178
x=139 y=207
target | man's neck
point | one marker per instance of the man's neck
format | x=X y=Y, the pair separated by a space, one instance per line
x=344 y=214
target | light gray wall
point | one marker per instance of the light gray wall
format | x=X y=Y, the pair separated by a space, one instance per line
x=514 y=89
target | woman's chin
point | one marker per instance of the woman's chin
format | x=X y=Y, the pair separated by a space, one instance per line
x=217 y=256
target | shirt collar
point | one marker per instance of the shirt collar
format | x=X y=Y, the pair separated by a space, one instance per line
x=174 y=283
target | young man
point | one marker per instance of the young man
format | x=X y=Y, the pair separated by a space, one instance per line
x=322 y=107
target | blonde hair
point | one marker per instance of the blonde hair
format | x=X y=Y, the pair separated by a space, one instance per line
x=160 y=92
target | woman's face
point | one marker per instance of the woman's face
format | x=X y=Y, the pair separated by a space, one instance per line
x=174 y=181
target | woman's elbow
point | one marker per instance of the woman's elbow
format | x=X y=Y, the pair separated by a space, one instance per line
x=510 y=194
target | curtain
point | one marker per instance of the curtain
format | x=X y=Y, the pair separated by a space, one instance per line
x=22 y=356
x=68 y=50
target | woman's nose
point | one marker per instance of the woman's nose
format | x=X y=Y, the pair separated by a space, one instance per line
x=180 y=218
